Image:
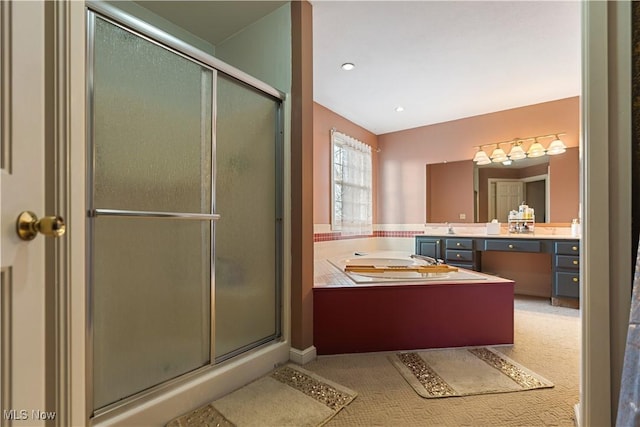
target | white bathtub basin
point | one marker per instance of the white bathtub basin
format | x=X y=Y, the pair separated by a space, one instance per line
x=385 y=259
x=379 y=262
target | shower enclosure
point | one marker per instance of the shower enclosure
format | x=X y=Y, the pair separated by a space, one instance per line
x=185 y=210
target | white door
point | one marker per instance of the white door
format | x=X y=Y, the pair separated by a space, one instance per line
x=35 y=368
x=509 y=195
x=23 y=292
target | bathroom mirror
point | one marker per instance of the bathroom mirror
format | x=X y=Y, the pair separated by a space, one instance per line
x=500 y=188
x=549 y=184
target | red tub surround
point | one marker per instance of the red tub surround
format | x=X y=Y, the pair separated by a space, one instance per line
x=350 y=318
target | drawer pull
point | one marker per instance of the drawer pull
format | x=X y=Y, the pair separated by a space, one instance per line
x=458 y=255
x=575 y=262
x=510 y=246
x=575 y=279
x=458 y=244
x=574 y=248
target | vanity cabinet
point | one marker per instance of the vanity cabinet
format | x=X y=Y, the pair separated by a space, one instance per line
x=562 y=273
x=566 y=270
x=461 y=253
x=429 y=246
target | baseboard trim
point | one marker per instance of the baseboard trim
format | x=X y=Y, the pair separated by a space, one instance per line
x=302 y=357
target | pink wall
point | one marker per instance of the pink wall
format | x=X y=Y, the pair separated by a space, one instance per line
x=564 y=180
x=447 y=195
x=323 y=121
x=404 y=154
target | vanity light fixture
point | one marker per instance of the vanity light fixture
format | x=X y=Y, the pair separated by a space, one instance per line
x=481 y=157
x=348 y=66
x=517 y=152
x=498 y=155
x=536 y=149
x=556 y=147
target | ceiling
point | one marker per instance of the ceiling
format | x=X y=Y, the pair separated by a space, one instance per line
x=442 y=60
x=439 y=60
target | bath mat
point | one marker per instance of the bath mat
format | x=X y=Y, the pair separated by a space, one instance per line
x=464 y=372
x=289 y=396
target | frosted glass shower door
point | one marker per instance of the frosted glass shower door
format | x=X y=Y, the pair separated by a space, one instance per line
x=151 y=213
x=248 y=237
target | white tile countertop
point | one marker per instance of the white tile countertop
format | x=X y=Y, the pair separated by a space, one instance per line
x=480 y=231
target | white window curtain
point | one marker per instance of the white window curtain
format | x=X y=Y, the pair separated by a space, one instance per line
x=351 y=185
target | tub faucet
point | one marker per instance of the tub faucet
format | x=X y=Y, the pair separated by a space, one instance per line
x=428 y=259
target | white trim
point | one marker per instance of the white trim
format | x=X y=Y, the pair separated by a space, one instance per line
x=605 y=150
x=59 y=277
x=302 y=357
x=68 y=177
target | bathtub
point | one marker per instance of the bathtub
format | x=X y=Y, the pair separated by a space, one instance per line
x=355 y=313
x=395 y=259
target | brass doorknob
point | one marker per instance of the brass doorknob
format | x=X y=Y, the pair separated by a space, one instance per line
x=28 y=226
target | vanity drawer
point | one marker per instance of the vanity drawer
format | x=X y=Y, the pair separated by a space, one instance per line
x=465 y=265
x=567 y=261
x=453 y=255
x=567 y=284
x=568 y=248
x=460 y=244
x=512 y=245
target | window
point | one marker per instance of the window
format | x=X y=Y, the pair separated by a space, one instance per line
x=351 y=187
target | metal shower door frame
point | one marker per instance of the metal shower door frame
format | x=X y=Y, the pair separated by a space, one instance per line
x=162 y=39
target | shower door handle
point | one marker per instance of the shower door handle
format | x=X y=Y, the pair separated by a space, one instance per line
x=154 y=214
x=28 y=226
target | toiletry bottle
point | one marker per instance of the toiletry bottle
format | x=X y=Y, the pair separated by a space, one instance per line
x=575 y=228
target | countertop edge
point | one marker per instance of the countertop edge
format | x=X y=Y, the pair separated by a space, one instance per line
x=500 y=236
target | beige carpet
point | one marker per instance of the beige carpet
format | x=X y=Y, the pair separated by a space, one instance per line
x=464 y=372
x=289 y=396
x=547 y=341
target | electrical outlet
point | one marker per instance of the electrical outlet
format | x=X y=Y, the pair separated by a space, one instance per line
x=463 y=216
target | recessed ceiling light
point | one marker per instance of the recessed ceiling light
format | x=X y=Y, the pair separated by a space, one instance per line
x=348 y=66
x=399 y=108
